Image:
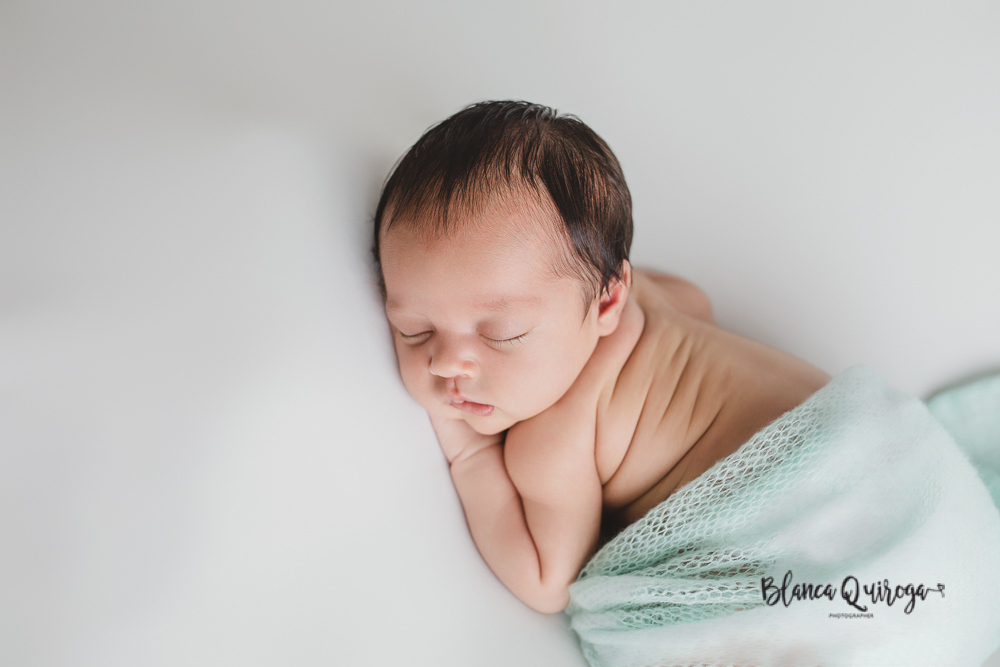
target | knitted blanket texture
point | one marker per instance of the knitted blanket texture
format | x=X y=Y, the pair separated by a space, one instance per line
x=856 y=529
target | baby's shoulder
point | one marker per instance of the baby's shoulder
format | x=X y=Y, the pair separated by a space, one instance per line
x=660 y=378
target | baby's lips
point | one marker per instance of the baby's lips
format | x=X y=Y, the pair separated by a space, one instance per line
x=471 y=407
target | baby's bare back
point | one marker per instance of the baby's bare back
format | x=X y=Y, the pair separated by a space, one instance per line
x=687 y=395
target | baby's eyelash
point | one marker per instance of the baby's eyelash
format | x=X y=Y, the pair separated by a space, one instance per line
x=495 y=342
x=500 y=342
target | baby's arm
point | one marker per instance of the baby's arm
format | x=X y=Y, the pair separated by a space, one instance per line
x=537 y=535
x=551 y=462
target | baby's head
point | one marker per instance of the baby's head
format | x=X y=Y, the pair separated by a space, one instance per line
x=502 y=240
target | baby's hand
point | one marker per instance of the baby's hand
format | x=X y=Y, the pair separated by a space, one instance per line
x=459 y=441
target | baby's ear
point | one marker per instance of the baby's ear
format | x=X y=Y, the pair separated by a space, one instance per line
x=612 y=301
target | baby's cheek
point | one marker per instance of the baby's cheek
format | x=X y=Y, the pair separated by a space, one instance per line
x=534 y=389
x=552 y=377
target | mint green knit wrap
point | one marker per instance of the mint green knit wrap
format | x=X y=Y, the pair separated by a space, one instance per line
x=860 y=481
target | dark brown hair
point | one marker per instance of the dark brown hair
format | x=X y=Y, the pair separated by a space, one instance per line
x=497 y=147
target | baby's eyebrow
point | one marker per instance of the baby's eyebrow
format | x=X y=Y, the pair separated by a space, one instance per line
x=500 y=303
x=508 y=302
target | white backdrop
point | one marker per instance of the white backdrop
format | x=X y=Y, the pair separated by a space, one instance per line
x=206 y=456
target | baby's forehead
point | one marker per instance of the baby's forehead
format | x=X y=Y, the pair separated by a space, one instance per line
x=518 y=227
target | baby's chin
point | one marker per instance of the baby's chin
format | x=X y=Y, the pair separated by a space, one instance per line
x=491 y=425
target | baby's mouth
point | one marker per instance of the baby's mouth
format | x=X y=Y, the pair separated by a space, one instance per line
x=480 y=409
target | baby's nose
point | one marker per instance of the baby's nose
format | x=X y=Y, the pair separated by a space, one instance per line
x=450 y=359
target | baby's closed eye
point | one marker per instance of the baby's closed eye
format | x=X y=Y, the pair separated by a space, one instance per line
x=417 y=338
x=503 y=342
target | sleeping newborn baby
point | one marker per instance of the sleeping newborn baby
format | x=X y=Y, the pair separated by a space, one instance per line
x=583 y=403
